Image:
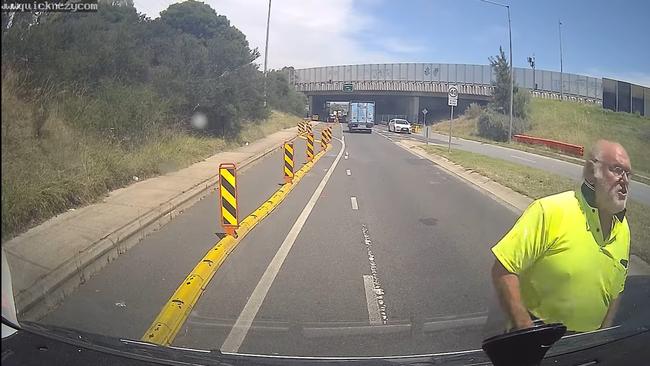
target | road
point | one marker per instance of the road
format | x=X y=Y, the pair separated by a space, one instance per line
x=638 y=191
x=376 y=252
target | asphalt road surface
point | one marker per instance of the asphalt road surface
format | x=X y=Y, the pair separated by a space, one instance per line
x=638 y=191
x=376 y=252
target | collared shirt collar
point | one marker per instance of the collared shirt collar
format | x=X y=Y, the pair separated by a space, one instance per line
x=589 y=195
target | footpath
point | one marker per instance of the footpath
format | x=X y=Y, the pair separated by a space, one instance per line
x=50 y=260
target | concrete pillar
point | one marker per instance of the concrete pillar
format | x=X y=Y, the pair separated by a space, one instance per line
x=311 y=105
x=413 y=109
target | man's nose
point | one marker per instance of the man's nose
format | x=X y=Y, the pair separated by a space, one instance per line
x=625 y=177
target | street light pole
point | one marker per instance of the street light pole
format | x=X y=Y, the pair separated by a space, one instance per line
x=512 y=78
x=266 y=49
x=559 y=27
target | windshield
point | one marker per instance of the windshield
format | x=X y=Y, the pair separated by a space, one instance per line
x=210 y=174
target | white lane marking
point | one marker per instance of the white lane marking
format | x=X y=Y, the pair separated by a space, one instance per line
x=376 y=285
x=524 y=159
x=348 y=172
x=346 y=155
x=371 y=298
x=245 y=320
x=353 y=201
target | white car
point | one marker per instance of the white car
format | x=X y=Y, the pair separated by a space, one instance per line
x=399 y=125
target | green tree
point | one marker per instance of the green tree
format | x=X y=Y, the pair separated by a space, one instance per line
x=501 y=96
x=282 y=95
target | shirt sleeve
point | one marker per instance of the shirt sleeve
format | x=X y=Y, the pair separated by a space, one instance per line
x=525 y=242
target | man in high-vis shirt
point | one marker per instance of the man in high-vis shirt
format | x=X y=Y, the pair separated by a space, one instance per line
x=566 y=258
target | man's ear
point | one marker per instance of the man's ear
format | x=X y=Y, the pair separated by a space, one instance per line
x=589 y=172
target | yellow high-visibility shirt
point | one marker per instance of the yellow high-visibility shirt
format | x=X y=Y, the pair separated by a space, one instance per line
x=567 y=271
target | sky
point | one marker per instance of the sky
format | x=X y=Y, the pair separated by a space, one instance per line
x=599 y=38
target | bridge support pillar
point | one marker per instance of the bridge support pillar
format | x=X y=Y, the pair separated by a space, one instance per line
x=311 y=105
x=413 y=109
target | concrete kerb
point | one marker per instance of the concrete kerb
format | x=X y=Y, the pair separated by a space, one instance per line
x=35 y=302
x=514 y=201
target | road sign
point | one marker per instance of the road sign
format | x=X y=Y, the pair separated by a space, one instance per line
x=425 y=111
x=453 y=96
x=347 y=87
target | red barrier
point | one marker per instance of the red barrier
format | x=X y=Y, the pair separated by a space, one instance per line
x=576 y=150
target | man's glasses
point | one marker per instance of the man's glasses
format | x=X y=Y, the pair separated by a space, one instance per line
x=617 y=170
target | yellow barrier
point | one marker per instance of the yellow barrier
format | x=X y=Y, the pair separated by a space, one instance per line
x=171 y=318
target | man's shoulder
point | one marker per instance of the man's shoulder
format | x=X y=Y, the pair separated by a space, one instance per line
x=562 y=201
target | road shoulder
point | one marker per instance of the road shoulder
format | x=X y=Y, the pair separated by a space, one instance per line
x=49 y=261
x=506 y=196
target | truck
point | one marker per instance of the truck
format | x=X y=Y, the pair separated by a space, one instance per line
x=361 y=116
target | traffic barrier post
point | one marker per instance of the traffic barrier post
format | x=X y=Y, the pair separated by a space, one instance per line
x=288 y=162
x=228 y=198
x=310 y=146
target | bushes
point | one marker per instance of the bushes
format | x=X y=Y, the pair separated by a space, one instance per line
x=121 y=114
x=474 y=110
x=495 y=126
x=521 y=104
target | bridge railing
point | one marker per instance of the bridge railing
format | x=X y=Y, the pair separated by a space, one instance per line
x=429 y=87
x=396 y=85
x=569 y=97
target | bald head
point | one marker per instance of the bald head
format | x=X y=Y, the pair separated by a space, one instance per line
x=607 y=152
x=607 y=170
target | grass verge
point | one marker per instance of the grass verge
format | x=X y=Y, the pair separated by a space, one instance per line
x=64 y=168
x=575 y=123
x=536 y=183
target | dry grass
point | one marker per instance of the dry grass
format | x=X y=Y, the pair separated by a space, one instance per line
x=575 y=123
x=65 y=168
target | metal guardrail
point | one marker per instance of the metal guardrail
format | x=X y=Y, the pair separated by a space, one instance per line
x=568 y=97
x=396 y=85
x=572 y=149
x=430 y=87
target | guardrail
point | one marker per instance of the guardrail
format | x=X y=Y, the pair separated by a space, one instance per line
x=572 y=149
x=569 y=97
x=396 y=85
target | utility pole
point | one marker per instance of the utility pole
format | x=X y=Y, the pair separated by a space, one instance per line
x=266 y=50
x=559 y=26
x=512 y=76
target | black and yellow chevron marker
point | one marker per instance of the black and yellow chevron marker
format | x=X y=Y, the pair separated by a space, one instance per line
x=310 y=146
x=228 y=197
x=323 y=141
x=301 y=128
x=327 y=135
x=308 y=128
x=288 y=162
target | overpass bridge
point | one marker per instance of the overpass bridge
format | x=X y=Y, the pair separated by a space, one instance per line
x=407 y=88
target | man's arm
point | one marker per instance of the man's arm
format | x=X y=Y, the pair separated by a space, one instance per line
x=611 y=313
x=507 y=287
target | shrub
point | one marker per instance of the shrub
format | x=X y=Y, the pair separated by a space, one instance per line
x=474 y=110
x=521 y=104
x=494 y=125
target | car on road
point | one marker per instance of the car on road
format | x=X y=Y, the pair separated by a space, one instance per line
x=399 y=125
